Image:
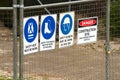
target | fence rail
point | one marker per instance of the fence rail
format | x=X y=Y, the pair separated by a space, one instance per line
x=6 y=8
x=57 y=4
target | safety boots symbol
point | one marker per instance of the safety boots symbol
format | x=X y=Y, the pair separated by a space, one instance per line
x=47 y=28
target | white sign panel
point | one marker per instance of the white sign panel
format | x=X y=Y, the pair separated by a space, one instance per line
x=48 y=32
x=87 y=30
x=66 y=29
x=30 y=34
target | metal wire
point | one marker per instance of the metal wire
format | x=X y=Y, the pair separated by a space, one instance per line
x=115 y=39
x=78 y=62
x=6 y=38
x=59 y=62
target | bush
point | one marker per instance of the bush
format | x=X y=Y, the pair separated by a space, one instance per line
x=115 y=17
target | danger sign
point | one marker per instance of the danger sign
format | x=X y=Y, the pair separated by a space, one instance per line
x=87 y=30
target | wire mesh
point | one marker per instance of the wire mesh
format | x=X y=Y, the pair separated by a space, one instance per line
x=78 y=62
x=6 y=45
x=115 y=40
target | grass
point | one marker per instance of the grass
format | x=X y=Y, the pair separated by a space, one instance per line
x=10 y=78
x=5 y=78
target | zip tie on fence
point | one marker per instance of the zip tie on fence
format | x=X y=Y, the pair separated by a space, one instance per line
x=108 y=48
x=18 y=6
x=21 y=6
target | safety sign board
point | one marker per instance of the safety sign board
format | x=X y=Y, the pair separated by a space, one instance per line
x=66 y=29
x=48 y=32
x=30 y=34
x=87 y=30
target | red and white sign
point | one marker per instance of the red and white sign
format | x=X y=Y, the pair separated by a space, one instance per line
x=88 y=22
x=87 y=30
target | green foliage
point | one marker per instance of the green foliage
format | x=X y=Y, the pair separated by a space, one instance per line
x=115 y=17
x=5 y=78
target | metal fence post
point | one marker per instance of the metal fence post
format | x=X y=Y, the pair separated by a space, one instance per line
x=69 y=6
x=15 y=48
x=21 y=40
x=108 y=41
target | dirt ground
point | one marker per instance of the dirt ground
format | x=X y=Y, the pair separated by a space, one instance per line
x=78 y=62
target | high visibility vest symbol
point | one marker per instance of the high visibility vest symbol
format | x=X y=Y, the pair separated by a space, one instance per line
x=30 y=31
x=48 y=27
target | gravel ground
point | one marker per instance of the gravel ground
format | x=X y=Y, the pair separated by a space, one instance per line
x=78 y=62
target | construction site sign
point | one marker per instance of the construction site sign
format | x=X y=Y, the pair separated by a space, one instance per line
x=48 y=32
x=66 y=29
x=87 y=30
x=30 y=34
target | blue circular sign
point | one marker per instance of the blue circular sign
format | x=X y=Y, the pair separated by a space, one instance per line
x=66 y=24
x=48 y=27
x=30 y=30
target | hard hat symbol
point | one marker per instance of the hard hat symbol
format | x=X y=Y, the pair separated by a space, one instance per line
x=66 y=24
x=66 y=21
